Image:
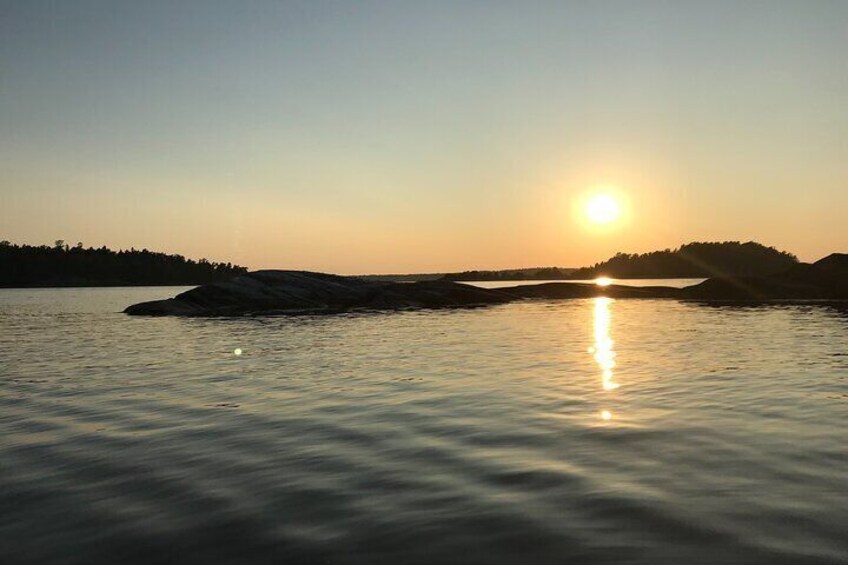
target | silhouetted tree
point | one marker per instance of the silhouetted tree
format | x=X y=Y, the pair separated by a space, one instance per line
x=695 y=260
x=535 y=273
x=62 y=265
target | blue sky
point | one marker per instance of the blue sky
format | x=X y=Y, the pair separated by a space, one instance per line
x=413 y=136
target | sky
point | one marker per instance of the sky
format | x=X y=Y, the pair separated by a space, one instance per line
x=391 y=137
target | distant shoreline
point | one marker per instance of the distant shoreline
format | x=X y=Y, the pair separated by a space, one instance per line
x=63 y=266
x=367 y=277
x=97 y=285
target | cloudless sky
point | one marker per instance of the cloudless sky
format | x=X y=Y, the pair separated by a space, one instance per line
x=397 y=136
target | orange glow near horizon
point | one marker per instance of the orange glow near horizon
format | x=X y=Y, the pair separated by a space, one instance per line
x=497 y=136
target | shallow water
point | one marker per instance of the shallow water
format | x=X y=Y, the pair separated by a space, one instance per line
x=577 y=431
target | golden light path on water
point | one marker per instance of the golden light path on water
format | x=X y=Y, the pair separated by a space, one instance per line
x=602 y=350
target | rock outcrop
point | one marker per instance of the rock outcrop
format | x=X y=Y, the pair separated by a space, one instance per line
x=280 y=292
x=288 y=292
x=826 y=279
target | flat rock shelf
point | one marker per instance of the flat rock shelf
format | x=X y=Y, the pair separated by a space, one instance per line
x=291 y=292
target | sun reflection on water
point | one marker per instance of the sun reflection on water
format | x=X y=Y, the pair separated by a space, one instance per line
x=602 y=350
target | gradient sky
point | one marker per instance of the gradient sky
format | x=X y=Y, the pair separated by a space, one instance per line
x=396 y=136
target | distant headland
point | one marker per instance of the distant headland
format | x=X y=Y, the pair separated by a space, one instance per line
x=61 y=265
x=698 y=260
x=694 y=260
x=526 y=274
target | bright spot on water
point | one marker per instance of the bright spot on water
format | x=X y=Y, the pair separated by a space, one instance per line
x=237 y=351
x=602 y=350
x=606 y=415
x=609 y=384
x=603 y=281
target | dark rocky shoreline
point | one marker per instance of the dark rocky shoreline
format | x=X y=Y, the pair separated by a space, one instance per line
x=292 y=292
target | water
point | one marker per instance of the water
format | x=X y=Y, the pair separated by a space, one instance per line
x=676 y=283
x=582 y=431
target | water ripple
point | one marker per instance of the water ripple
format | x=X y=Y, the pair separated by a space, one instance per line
x=474 y=436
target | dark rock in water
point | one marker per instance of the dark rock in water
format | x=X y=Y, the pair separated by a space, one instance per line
x=826 y=279
x=753 y=288
x=286 y=292
x=829 y=274
x=270 y=292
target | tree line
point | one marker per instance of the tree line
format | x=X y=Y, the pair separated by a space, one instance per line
x=694 y=260
x=65 y=265
x=533 y=273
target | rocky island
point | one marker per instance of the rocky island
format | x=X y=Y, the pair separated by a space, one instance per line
x=290 y=292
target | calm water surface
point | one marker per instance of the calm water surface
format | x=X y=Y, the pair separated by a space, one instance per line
x=677 y=283
x=582 y=431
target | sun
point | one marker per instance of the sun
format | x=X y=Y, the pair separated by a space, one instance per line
x=603 y=209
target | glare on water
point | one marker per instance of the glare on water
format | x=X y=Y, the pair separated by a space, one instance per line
x=482 y=436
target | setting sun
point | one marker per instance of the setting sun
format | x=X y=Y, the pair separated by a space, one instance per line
x=603 y=209
x=516 y=282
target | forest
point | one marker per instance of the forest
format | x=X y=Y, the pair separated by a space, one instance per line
x=533 y=273
x=694 y=260
x=65 y=265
